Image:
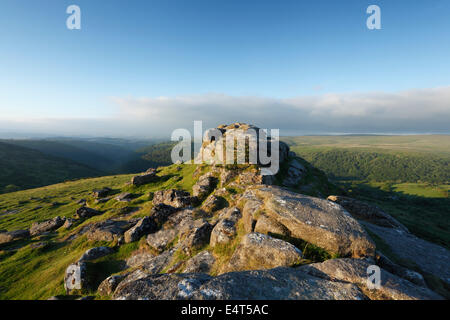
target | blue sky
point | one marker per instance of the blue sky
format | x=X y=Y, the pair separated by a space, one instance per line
x=273 y=50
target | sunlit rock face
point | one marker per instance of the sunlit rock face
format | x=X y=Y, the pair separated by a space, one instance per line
x=241 y=143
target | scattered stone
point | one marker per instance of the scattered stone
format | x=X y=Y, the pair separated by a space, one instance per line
x=103 y=200
x=139 y=259
x=7 y=237
x=213 y=203
x=226 y=176
x=161 y=212
x=96 y=253
x=143 y=227
x=68 y=223
x=197 y=237
x=147 y=177
x=108 y=230
x=174 y=198
x=366 y=212
x=204 y=185
x=160 y=240
x=85 y=213
x=101 y=193
x=259 y=251
x=223 y=232
x=82 y=202
x=125 y=197
x=38 y=245
x=48 y=225
x=202 y=262
x=317 y=221
x=107 y=287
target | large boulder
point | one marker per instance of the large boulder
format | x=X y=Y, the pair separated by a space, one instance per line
x=144 y=178
x=197 y=237
x=174 y=198
x=86 y=212
x=101 y=193
x=223 y=232
x=202 y=262
x=110 y=284
x=161 y=212
x=108 y=230
x=96 y=253
x=48 y=225
x=143 y=227
x=161 y=239
x=429 y=257
x=356 y=271
x=204 y=185
x=274 y=284
x=7 y=237
x=259 y=251
x=320 y=222
x=366 y=212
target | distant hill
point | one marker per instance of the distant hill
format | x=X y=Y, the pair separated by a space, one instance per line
x=22 y=168
x=378 y=158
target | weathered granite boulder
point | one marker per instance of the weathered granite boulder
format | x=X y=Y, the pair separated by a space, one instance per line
x=223 y=232
x=125 y=197
x=204 y=185
x=196 y=237
x=110 y=284
x=356 y=271
x=45 y=226
x=144 y=178
x=96 y=253
x=202 y=262
x=101 y=193
x=320 y=222
x=366 y=212
x=212 y=203
x=174 y=198
x=149 y=264
x=86 y=212
x=259 y=251
x=161 y=212
x=161 y=239
x=7 y=237
x=429 y=257
x=108 y=230
x=274 y=284
x=143 y=227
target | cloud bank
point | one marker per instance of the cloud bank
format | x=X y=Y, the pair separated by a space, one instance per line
x=411 y=111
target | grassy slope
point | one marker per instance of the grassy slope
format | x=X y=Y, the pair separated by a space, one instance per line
x=41 y=271
x=26 y=168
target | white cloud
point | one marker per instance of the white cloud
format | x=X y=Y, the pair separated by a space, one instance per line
x=418 y=110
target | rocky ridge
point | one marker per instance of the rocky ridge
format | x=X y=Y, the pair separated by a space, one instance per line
x=236 y=234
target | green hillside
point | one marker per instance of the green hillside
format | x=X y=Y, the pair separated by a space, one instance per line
x=22 y=168
x=378 y=158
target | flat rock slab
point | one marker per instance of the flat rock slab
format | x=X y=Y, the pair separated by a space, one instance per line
x=318 y=221
x=274 y=284
x=428 y=256
x=356 y=271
